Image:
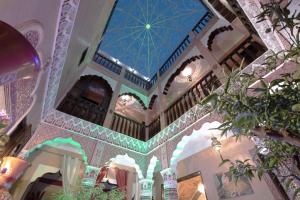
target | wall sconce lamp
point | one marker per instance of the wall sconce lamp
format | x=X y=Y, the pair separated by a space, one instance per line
x=187 y=72
x=216 y=144
x=125 y=99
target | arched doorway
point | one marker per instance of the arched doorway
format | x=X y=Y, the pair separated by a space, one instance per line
x=56 y=163
x=89 y=99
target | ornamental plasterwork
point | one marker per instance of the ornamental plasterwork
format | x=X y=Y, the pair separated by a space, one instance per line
x=252 y=9
x=95 y=131
x=169 y=177
x=8 y=77
x=112 y=143
x=97 y=155
x=66 y=23
x=83 y=127
x=69 y=10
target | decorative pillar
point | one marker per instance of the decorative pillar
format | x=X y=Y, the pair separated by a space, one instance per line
x=170 y=184
x=162 y=105
x=211 y=59
x=111 y=109
x=90 y=175
x=146 y=189
x=271 y=39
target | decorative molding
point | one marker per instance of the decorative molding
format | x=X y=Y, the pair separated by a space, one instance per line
x=80 y=126
x=179 y=70
x=33 y=37
x=146 y=189
x=214 y=34
x=67 y=19
x=136 y=97
x=252 y=9
x=97 y=155
x=169 y=177
x=152 y=100
x=170 y=184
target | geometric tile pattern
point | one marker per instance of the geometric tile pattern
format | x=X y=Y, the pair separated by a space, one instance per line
x=95 y=131
x=67 y=19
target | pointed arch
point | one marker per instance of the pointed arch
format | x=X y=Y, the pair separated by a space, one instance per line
x=128 y=161
x=151 y=167
x=178 y=71
x=58 y=142
x=205 y=133
x=89 y=99
x=214 y=34
x=136 y=97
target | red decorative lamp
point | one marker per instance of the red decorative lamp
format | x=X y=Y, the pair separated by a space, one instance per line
x=11 y=169
x=16 y=52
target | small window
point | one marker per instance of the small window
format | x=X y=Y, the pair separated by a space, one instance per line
x=82 y=56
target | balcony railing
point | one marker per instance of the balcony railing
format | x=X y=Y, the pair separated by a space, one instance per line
x=128 y=127
x=108 y=64
x=201 y=24
x=153 y=127
x=248 y=50
x=134 y=129
x=192 y=97
x=130 y=76
x=136 y=79
x=185 y=42
x=152 y=81
x=176 y=53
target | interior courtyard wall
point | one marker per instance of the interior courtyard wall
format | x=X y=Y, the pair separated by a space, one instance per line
x=97 y=151
x=208 y=160
x=45 y=160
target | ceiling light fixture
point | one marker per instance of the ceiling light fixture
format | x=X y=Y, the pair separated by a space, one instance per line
x=148 y=26
x=187 y=72
x=125 y=99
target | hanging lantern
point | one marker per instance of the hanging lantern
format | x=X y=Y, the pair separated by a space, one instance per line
x=11 y=169
x=16 y=52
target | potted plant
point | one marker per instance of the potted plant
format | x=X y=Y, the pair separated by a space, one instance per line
x=81 y=192
x=268 y=113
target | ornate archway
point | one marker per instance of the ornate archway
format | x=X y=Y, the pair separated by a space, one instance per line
x=203 y=135
x=89 y=99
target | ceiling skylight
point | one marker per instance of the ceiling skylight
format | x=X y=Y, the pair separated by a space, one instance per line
x=143 y=33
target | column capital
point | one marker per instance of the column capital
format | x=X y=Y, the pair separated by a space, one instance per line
x=90 y=175
x=170 y=184
x=146 y=188
x=169 y=177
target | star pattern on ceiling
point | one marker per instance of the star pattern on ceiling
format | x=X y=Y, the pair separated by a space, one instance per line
x=142 y=34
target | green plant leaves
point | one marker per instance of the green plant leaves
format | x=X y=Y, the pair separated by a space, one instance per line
x=212 y=98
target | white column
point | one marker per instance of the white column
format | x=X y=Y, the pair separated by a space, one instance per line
x=90 y=175
x=146 y=189
x=210 y=58
x=170 y=184
x=111 y=109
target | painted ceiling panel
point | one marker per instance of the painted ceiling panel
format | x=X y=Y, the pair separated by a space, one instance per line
x=142 y=34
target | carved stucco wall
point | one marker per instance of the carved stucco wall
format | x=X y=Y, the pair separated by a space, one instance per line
x=21 y=98
x=67 y=19
x=252 y=9
x=97 y=151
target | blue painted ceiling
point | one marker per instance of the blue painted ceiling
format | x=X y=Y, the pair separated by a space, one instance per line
x=143 y=33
